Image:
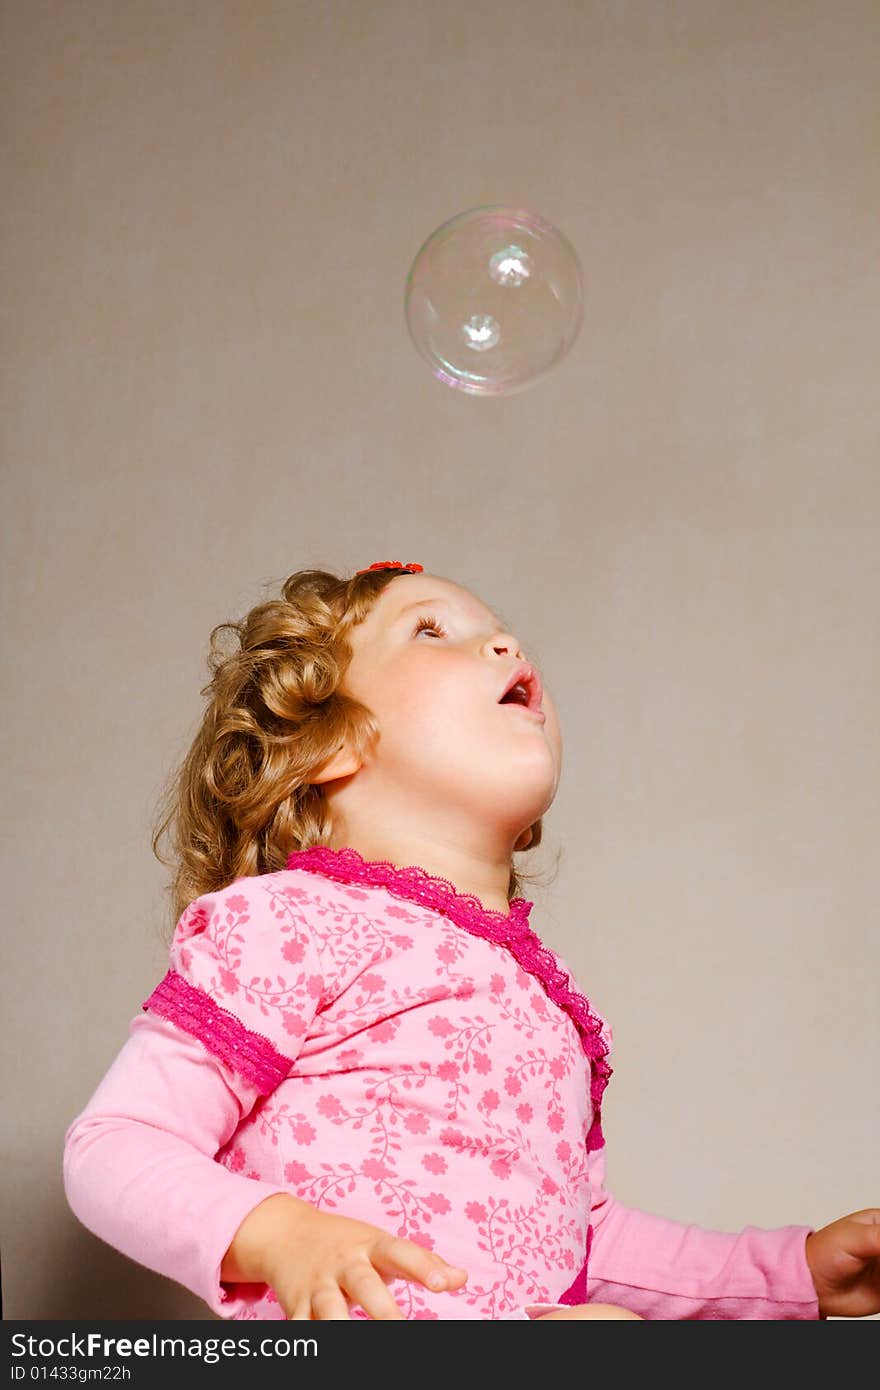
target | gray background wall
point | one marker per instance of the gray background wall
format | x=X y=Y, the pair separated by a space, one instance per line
x=209 y=211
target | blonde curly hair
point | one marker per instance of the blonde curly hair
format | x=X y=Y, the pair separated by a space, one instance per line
x=242 y=798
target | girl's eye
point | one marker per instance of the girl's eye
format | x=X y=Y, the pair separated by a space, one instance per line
x=429 y=623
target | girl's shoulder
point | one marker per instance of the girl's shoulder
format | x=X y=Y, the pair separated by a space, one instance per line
x=308 y=900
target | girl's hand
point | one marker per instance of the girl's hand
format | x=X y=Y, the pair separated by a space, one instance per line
x=844 y=1260
x=318 y=1264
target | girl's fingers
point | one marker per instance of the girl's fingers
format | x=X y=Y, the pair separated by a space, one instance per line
x=302 y=1311
x=364 y=1278
x=330 y=1304
x=364 y=1286
x=407 y=1260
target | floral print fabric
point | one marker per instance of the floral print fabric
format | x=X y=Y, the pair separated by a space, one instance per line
x=433 y=1086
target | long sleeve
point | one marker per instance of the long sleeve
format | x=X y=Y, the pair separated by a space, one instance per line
x=669 y=1270
x=139 y=1169
x=221 y=1030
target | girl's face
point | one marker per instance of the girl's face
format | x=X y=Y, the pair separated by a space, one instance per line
x=431 y=662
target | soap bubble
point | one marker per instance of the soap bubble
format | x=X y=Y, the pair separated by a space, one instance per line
x=494 y=299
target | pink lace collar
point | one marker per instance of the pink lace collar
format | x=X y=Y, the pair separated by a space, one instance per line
x=510 y=929
x=416 y=884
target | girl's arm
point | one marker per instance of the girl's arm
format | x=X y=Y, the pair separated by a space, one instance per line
x=666 y=1269
x=247 y=975
x=139 y=1169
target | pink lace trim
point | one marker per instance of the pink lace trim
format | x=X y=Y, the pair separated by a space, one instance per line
x=250 y=1054
x=511 y=930
x=577 y=1291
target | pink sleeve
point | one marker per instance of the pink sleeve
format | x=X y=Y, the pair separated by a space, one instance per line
x=139 y=1169
x=220 y=1030
x=664 y=1269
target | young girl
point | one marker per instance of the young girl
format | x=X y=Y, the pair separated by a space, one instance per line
x=365 y=1088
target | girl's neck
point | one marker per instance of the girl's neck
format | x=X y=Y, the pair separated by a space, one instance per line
x=413 y=877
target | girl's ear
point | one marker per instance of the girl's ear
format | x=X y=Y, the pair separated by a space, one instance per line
x=341 y=764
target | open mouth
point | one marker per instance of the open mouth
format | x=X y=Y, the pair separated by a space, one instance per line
x=523 y=688
x=524 y=695
x=517 y=695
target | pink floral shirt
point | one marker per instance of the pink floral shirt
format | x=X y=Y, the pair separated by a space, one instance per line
x=387 y=1048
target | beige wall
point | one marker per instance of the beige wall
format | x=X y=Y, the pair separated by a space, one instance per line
x=208 y=214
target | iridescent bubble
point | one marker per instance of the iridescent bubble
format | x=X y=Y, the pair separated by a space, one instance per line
x=494 y=299
x=510 y=266
x=481 y=332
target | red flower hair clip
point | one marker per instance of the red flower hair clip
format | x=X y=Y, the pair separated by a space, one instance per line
x=411 y=568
